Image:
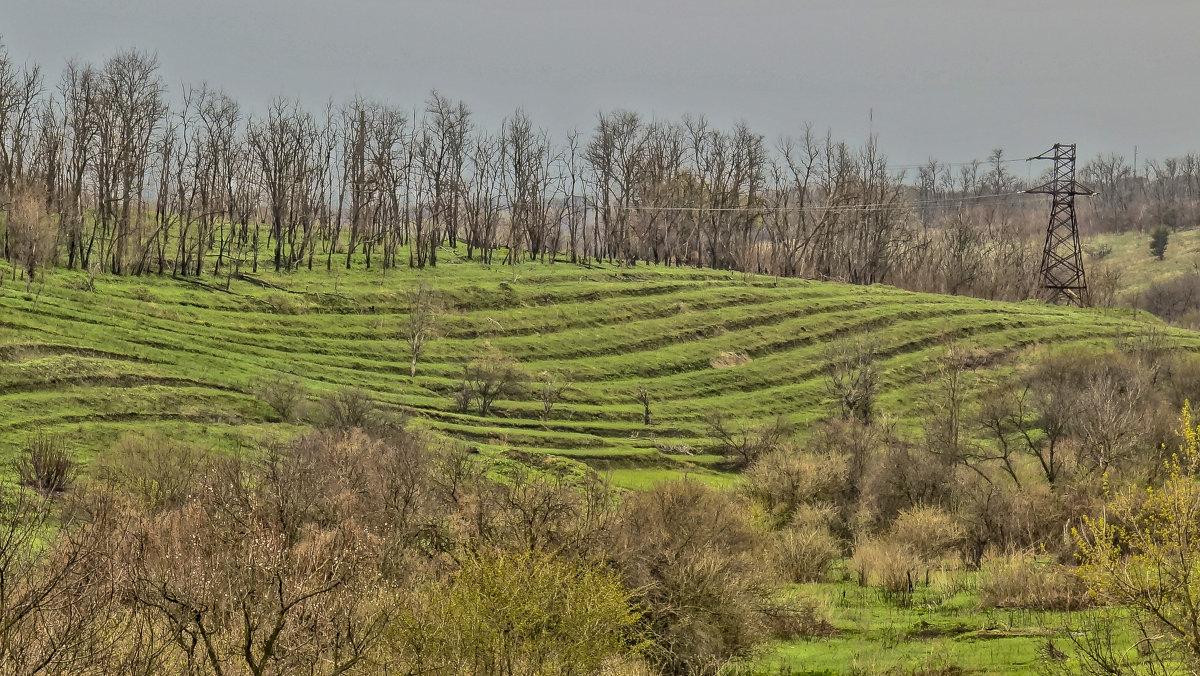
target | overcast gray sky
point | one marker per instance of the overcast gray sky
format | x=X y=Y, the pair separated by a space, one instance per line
x=946 y=79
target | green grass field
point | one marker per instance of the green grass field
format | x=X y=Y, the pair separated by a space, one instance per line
x=942 y=629
x=138 y=353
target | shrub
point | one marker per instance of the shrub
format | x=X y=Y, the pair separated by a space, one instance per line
x=275 y=560
x=539 y=511
x=783 y=480
x=883 y=564
x=1100 y=251
x=1158 y=241
x=854 y=441
x=1011 y=518
x=798 y=619
x=282 y=304
x=930 y=532
x=286 y=395
x=901 y=477
x=1141 y=552
x=143 y=294
x=805 y=553
x=44 y=464
x=347 y=407
x=491 y=375
x=688 y=549
x=1182 y=378
x=1018 y=580
x=548 y=615
x=158 y=471
x=1173 y=298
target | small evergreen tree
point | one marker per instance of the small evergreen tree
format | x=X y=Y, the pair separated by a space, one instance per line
x=1158 y=241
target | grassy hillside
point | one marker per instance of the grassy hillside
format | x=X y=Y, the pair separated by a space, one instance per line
x=134 y=353
x=1129 y=253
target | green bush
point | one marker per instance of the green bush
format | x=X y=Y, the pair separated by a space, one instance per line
x=1158 y=241
x=287 y=396
x=525 y=613
x=347 y=407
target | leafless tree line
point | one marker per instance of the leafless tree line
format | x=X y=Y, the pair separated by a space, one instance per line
x=1165 y=192
x=133 y=182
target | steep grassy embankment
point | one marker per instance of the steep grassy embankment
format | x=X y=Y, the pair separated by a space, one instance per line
x=134 y=353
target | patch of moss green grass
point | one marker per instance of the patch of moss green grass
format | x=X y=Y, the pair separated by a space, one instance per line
x=941 y=629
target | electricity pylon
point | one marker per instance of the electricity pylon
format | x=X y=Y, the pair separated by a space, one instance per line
x=1063 y=279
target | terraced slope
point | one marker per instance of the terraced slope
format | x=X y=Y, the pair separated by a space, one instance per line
x=178 y=355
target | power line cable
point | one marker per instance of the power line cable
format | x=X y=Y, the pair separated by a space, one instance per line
x=941 y=165
x=835 y=207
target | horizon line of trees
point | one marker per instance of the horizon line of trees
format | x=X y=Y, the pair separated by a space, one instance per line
x=102 y=171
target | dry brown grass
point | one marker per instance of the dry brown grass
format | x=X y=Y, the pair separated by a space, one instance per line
x=730 y=359
x=883 y=564
x=1020 y=580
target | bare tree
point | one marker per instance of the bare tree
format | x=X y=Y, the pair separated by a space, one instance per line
x=78 y=89
x=1037 y=416
x=851 y=376
x=248 y=576
x=194 y=188
x=527 y=187
x=19 y=92
x=421 y=323
x=551 y=391
x=743 y=442
x=445 y=131
x=490 y=376
x=1111 y=413
x=52 y=591
x=285 y=394
x=281 y=144
x=481 y=188
x=132 y=111
x=643 y=397
x=31 y=234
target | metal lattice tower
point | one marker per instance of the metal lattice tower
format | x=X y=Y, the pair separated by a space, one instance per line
x=1063 y=280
